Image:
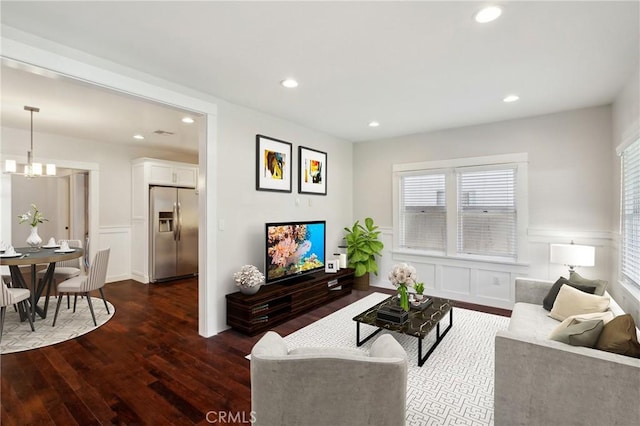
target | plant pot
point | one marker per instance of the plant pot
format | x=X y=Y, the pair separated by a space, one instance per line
x=361 y=283
x=419 y=296
x=249 y=290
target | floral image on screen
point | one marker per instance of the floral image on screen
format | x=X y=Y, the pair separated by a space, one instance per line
x=273 y=164
x=312 y=171
x=293 y=249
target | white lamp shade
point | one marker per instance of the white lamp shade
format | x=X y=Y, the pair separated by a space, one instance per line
x=10 y=166
x=37 y=169
x=50 y=170
x=572 y=254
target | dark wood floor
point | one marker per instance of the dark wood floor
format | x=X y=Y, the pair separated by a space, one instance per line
x=148 y=365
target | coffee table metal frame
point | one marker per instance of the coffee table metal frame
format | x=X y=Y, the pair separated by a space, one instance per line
x=419 y=324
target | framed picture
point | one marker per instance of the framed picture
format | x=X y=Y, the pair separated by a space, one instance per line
x=273 y=164
x=312 y=171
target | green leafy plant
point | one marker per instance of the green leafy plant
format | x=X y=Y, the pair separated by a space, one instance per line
x=419 y=287
x=363 y=246
x=33 y=218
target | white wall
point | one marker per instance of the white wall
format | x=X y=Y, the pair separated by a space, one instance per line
x=626 y=129
x=243 y=211
x=570 y=177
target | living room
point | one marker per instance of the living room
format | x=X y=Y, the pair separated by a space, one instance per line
x=573 y=169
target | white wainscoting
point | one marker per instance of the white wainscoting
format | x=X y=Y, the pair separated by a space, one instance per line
x=493 y=283
x=118 y=238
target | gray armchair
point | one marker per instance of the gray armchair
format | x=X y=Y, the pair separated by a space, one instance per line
x=328 y=386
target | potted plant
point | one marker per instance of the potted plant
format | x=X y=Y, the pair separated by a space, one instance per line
x=248 y=279
x=362 y=248
x=403 y=276
x=419 y=288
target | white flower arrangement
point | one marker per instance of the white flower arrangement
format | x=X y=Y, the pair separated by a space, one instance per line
x=403 y=274
x=248 y=276
x=32 y=218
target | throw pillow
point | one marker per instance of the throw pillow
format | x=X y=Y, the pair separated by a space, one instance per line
x=580 y=333
x=600 y=285
x=605 y=316
x=547 y=302
x=619 y=336
x=571 y=301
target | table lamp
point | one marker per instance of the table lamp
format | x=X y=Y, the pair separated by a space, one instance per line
x=572 y=255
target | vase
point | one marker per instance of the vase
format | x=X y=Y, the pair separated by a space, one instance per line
x=419 y=296
x=250 y=290
x=34 y=239
x=403 y=296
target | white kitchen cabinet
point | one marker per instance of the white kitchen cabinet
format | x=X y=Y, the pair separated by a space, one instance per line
x=172 y=174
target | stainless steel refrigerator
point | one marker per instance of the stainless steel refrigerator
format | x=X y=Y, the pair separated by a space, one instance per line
x=174 y=232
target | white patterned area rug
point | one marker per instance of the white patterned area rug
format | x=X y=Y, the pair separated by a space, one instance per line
x=453 y=387
x=17 y=336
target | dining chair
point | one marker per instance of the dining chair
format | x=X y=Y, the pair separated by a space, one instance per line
x=5 y=273
x=84 y=284
x=14 y=296
x=66 y=269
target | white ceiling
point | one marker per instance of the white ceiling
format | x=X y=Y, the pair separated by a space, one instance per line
x=412 y=66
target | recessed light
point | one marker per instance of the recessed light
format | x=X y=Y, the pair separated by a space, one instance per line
x=139 y=137
x=374 y=124
x=188 y=120
x=488 y=14
x=289 y=83
x=511 y=98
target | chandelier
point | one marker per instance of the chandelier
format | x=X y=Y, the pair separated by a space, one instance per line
x=31 y=169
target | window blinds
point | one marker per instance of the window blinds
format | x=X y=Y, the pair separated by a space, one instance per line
x=630 y=201
x=423 y=223
x=487 y=215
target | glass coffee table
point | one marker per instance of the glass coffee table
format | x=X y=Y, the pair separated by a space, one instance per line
x=419 y=324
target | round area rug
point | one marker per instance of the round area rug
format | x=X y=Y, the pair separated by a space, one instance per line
x=17 y=336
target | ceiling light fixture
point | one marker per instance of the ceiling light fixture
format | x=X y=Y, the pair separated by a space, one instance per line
x=510 y=98
x=374 y=124
x=188 y=120
x=139 y=137
x=488 y=14
x=289 y=83
x=31 y=169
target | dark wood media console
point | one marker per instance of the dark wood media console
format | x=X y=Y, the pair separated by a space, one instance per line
x=276 y=303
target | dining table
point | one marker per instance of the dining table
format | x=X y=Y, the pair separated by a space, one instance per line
x=28 y=256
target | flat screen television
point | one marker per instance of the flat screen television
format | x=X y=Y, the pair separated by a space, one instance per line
x=294 y=249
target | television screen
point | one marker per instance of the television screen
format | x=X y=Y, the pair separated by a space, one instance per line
x=294 y=248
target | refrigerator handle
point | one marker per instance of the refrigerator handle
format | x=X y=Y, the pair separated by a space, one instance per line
x=179 y=221
x=175 y=221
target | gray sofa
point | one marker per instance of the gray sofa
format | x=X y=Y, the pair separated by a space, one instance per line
x=543 y=382
x=328 y=386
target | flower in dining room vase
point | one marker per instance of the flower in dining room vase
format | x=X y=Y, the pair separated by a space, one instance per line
x=403 y=276
x=33 y=217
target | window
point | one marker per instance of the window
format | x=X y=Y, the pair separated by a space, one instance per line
x=423 y=217
x=487 y=212
x=630 y=213
x=473 y=207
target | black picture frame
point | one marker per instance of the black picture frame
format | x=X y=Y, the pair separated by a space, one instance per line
x=312 y=171
x=274 y=159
